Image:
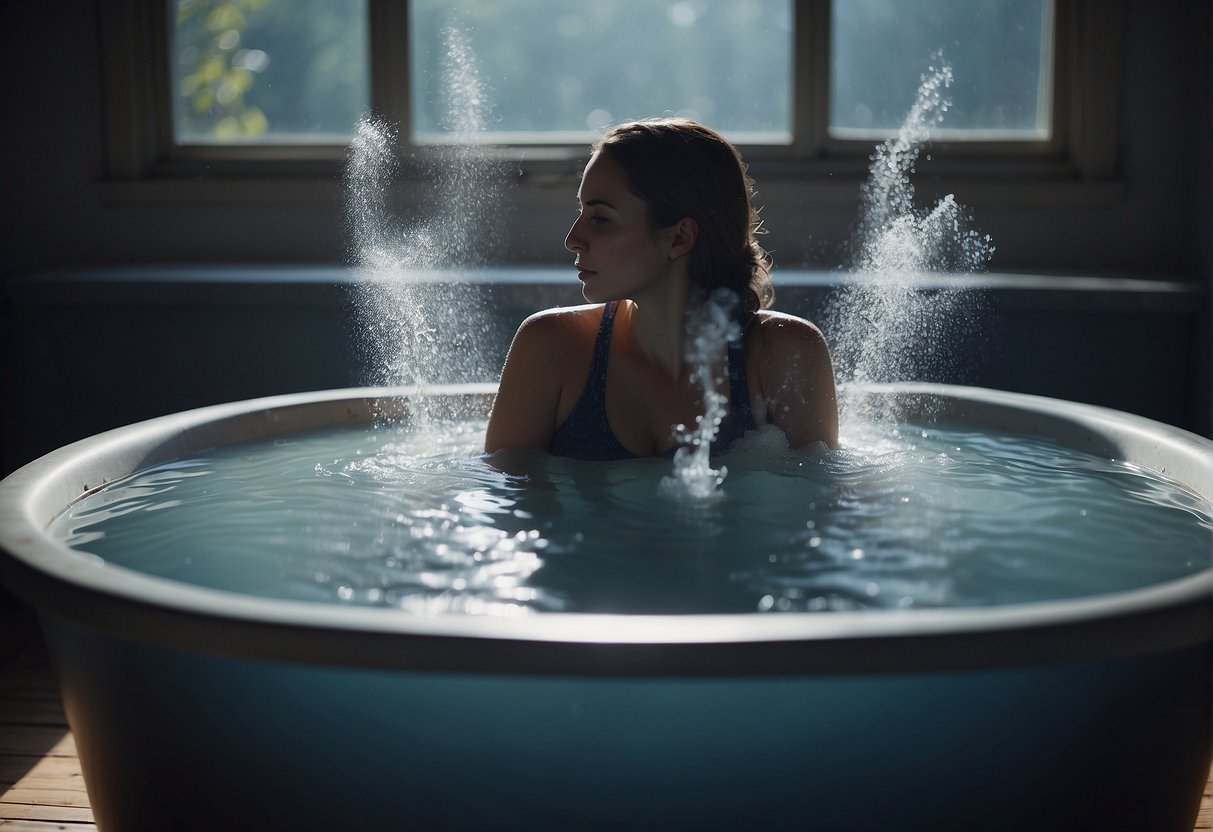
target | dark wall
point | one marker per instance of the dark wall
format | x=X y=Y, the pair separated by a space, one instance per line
x=100 y=348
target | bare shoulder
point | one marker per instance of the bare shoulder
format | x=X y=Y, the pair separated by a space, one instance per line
x=561 y=323
x=559 y=316
x=553 y=343
x=792 y=379
x=549 y=350
x=777 y=335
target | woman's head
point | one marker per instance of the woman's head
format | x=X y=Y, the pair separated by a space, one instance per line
x=680 y=168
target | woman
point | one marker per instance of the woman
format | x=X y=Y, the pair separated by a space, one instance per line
x=665 y=219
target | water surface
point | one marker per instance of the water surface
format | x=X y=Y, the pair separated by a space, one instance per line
x=911 y=517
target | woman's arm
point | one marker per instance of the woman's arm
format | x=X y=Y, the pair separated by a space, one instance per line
x=797 y=380
x=524 y=413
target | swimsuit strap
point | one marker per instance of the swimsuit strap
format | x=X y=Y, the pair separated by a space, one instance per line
x=738 y=382
x=602 y=351
x=586 y=433
x=740 y=417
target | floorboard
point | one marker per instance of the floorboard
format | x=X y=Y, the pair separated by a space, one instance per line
x=41 y=787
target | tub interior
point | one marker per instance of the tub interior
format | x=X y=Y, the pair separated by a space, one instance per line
x=72 y=583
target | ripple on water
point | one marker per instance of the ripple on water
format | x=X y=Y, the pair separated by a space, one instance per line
x=921 y=517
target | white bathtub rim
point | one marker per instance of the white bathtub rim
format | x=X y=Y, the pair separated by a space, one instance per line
x=82 y=587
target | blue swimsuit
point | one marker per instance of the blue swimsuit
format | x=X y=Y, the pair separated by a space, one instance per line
x=586 y=433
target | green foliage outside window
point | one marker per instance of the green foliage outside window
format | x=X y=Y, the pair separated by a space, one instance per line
x=248 y=70
x=298 y=70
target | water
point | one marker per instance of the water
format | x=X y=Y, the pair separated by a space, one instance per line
x=897 y=316
x=418 y=327
x=710 y=330
x=418 y=519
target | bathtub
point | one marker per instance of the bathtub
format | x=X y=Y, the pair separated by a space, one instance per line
x=200 y=709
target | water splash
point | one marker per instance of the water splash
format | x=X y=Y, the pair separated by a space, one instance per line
x=896 y=318
x=710 y=329
x=420 y=323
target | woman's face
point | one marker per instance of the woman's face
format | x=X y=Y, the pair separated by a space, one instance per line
x=619 y=254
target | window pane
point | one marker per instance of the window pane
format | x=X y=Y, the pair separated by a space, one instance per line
x=999 y=51
x=561 y=70
x=269 y=70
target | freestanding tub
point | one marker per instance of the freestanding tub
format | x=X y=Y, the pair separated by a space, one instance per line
x=200 y=709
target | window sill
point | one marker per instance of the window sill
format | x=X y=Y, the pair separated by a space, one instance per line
x=285 y=284
x=825 y=187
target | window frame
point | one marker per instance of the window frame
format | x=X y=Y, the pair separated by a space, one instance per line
x=143 y=158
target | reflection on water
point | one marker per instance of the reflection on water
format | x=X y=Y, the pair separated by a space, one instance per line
x=913 y=517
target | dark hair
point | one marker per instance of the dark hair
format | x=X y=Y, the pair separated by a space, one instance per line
x=679 y=168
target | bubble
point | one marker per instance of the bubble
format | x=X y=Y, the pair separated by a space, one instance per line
x=598 y=120
x=682 y=15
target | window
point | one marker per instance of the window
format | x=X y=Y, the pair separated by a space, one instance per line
x=559 y=72
x=275 y=87
x=999 y=52
x=268 y=70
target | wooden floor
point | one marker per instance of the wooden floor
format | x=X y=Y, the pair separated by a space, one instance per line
x=41 y=788
x=40 y=783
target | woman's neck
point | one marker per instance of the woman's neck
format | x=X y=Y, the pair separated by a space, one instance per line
x=656 y=326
